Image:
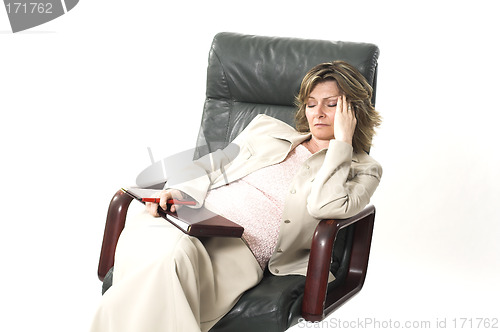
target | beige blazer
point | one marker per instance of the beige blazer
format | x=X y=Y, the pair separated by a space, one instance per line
x=332 y=183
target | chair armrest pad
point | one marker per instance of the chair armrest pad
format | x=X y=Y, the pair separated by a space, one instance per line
x=319 y=263
x=115 y=222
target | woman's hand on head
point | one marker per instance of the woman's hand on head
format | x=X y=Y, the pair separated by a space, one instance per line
x=164 y=196
x=344 y=122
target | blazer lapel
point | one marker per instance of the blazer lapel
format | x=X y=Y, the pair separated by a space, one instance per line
x=295 y=138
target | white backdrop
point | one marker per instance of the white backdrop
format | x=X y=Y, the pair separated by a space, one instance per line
x=83 y=96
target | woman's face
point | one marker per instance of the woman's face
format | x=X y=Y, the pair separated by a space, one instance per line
x=320 y=110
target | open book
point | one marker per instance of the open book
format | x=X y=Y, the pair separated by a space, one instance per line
x=199 y=222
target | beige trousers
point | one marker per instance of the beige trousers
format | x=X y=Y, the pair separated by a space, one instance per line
x=166 y=281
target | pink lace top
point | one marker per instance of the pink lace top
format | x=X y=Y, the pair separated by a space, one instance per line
x=256 y=202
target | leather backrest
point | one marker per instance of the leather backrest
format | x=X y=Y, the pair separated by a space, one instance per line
x=249 y=75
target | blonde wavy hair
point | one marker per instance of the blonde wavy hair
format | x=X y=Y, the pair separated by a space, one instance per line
x=357 y=91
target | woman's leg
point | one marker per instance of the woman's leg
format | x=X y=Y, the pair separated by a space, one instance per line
x=165 y=280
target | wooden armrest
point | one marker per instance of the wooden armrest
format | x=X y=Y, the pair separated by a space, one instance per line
x=313 y=304
x=115 y=222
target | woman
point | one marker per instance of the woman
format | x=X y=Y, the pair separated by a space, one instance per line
x=280 y=185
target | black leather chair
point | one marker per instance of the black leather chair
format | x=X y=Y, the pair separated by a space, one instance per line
x=248 y=75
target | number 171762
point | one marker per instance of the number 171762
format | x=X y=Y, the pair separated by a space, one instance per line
x=29 y=8
x=473 y=323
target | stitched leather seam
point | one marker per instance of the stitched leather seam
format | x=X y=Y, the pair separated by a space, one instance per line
x=230 y=100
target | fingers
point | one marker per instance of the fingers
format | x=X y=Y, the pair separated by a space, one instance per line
x=345 y=105
x=152 y=209
x=345 y=120
x=174 y=193
x=164 y=197
x=340 y=104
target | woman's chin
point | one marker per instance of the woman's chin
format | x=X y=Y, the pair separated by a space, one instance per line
x=322 y=137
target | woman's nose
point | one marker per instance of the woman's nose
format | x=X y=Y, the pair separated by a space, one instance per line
x=320 y=110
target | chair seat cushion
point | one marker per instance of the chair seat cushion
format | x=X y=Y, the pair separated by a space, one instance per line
x=271 y=306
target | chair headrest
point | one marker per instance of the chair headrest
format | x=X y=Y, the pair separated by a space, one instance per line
x=269 y=70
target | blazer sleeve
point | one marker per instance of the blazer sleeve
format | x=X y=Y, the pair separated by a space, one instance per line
x=342 y=187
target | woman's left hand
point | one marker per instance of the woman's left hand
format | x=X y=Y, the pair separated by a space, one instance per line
x=344 y=122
